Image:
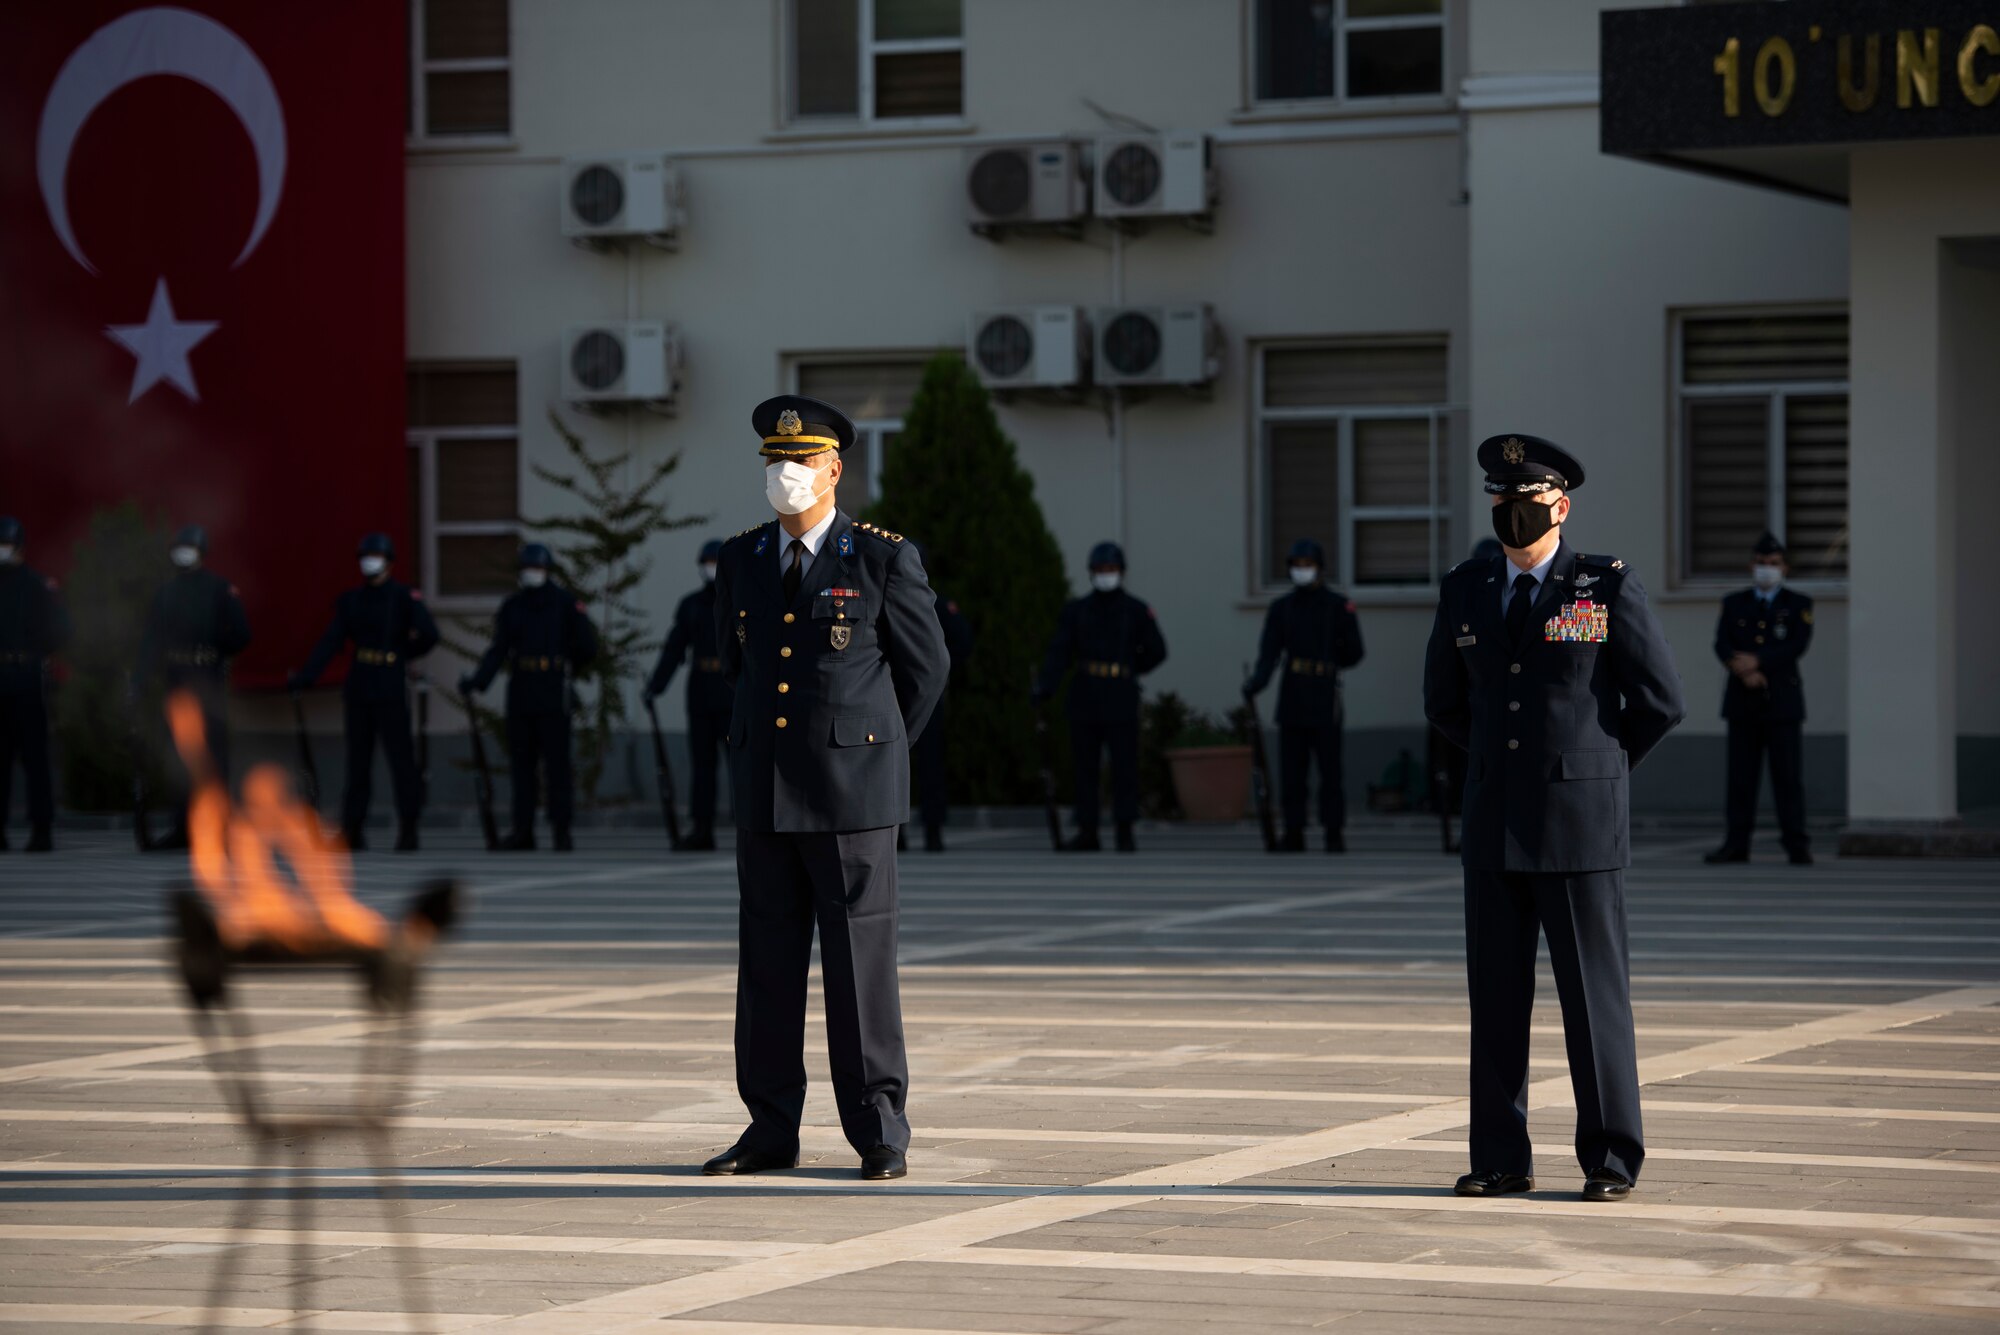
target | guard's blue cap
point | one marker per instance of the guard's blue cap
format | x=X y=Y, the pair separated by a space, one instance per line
x=377 y=544
x=1305 y=549
x=534 y=554
x=1517 y=464
x=11 y=531
x=1107 y=554
x=710 y=551
x=793 y=426
x=193 y=535
x=1769 y=545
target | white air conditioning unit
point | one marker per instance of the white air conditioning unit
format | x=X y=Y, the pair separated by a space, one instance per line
x=1154 y=176
x=605 y=199
x=621 y=362
x=1034 y=184
x=1157 y=345
x=1030 y=347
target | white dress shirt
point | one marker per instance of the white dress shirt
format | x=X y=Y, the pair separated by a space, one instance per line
x=812 y=538
x=1514 y=572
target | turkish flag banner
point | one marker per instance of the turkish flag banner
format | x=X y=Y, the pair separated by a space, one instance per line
x=201 y=256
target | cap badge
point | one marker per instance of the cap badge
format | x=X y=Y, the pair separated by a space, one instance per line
x=1513 y=451
x=789 y=423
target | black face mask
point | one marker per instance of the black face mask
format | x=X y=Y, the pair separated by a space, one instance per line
x=1522 y=521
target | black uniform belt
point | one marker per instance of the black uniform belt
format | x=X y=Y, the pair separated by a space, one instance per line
x=1094 y=669
x=16 y=657
x=203 y=657
x=523 y=664
x=1313 y=667
x=708 y=665
x=375 y=657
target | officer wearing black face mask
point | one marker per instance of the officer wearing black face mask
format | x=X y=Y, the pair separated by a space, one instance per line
x=195 y=626
x=709 y=695
x=1762 y=634
x=33 y=625
x=1548 y=667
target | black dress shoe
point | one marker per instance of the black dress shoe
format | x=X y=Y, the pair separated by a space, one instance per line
x=1336 y=842
x=1605 y=1185
x=1801 y=857
x=701 y=841
x=1726 y=854
x=882 y=1163
x=1126 y=843
x=519 y=841
x=406 y=839
x=1291 y=841
x=1493 y=1184
x=933 y=839
x=41 y=841
x=1084 y=843
x=563 y=843
x=738 y=1159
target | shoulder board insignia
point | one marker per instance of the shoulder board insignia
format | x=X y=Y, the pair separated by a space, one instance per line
x=880 y=532
x=1806 y=616
x=1611 y=562
x=1617 y=565
x=752 y=529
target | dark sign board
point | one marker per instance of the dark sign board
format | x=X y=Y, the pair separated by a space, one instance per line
x=1707 y=77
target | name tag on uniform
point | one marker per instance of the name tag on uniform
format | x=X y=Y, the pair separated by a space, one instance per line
x=1580 y=622
x=1465 y=640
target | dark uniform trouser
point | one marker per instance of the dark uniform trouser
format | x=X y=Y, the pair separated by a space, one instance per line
x=1297 y=749
x=1583 y=914
x=1088 y=737
x=847 y=882
x=706 y=731
x=24 y=735
x=927 y=759
x=539 y=737
x=389 y=720
x=1749 y=738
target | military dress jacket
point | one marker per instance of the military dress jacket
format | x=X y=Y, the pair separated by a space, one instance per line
x=33 y=624
x=389 y=626
x=1552 y=725
x=541 y=636
x=1310 y=635
x=694 y=632
x=832 y=685
x=1111 y=639
x=1779 y=636
x=195 y=626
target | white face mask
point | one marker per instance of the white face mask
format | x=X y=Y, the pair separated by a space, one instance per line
x=1105 y=581
x=6 y=553
x=534 y=577
x=371 y=566
x=1304 y=575
x=1766 y=577
x=790 y=487
x=708 y=572
x=187 y=558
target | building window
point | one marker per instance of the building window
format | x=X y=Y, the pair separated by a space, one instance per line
x=465 y=483
x=898 y=61
x=874 y=395
x=459 y=70
x=1353 y=437
x=1347 y=50
x=1763 y=440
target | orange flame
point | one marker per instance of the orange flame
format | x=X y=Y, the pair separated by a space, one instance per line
x=231 y=854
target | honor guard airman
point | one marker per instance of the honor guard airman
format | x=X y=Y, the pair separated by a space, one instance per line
x=195 y=626
x=1311 y=635
x=1110 y=639
x=33 y=625
x=928 y=755
x=1549 y=668
x=541 y=636
x=390 y=628
x=709 y=696
x=829 y=636
x=1762 y=634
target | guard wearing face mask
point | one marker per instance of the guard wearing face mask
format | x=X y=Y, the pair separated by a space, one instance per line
x=1762 y=634
x=33 y=625
x=195 y=626
x=709 y=697
x=389 y=627
x=541 y=635
x=828 y=634
x=1548 y=667
x=1111 y=639
x=1312 y=635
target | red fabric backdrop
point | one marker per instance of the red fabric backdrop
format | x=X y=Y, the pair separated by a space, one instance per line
x=294 y=446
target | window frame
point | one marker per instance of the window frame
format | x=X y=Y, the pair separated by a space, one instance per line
x=1339 y=99
x=871 y=428
x=420 y=64
x=1347 y=514
x=1775 y=393
x=867 y=47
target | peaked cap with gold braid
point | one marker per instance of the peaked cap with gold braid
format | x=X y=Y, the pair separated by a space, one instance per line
x=794 y=427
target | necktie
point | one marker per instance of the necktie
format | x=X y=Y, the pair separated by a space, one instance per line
x=792 y=571
x=1517 y=610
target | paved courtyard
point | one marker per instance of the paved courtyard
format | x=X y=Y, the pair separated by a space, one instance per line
x=1199 y=1088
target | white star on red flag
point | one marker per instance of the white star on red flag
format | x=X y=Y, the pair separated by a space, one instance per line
x=162 y=345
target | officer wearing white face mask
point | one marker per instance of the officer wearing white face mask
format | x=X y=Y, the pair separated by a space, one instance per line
x=1312 y=634
x=1111 y=639
x=709 y=698
x=1762 y=634
x=390 y=627
x=195 y=626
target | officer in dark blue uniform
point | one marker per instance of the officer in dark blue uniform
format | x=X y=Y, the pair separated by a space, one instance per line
x=1111 y=639
x=33 y=625
x=1549 y=668
x=194 y=627
x=828 y=634
x=1762 y=634
x=927 y=756
x=541 y=636
x=709 y=697
x=1313 y=634
x=389 y=627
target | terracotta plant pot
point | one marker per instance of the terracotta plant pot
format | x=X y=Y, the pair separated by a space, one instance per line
x=1212 y=782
